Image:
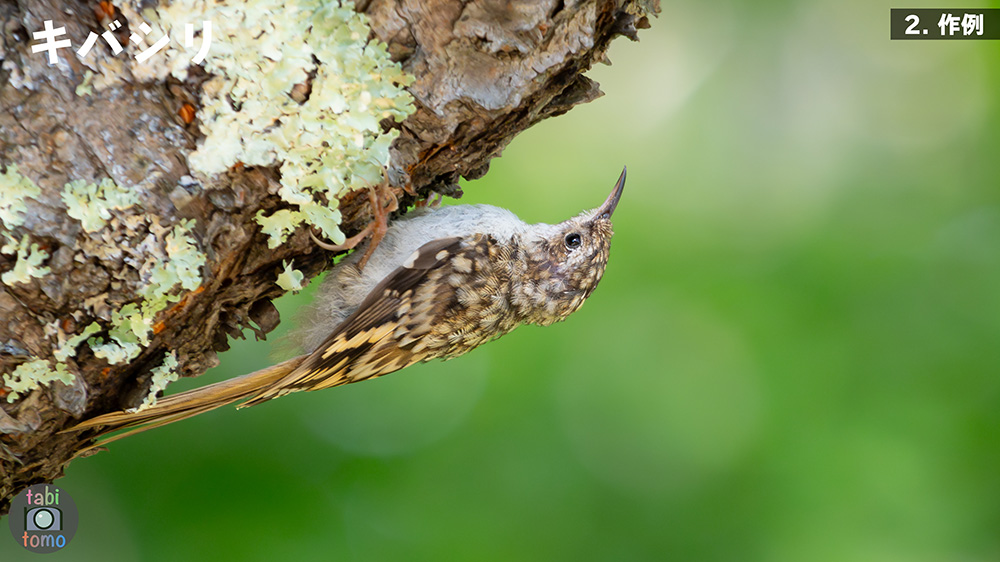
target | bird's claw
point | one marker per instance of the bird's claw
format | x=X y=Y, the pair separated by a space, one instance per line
x=378 y=196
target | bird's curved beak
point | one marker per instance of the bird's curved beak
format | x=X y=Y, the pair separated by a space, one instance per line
x=608 y=208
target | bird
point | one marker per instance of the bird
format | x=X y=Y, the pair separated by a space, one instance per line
x=441 y=282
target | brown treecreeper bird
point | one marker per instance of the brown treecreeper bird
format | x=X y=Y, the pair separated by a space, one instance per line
x=440 y=283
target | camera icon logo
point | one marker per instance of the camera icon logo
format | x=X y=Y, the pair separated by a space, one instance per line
x=43 y=519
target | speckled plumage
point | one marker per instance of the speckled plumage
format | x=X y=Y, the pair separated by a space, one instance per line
x=441 y=283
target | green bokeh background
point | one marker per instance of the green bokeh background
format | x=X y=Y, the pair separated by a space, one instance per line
x=793 y=355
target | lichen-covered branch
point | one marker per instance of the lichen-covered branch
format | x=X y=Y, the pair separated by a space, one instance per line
x=152 y=205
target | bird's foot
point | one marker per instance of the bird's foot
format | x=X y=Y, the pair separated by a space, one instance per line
x=378 y=197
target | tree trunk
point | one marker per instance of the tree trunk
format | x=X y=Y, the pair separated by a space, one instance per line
x=483 y=71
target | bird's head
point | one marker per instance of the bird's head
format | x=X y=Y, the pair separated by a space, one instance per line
x=572 y=256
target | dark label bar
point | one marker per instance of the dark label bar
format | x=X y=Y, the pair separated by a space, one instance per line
x=945 y=23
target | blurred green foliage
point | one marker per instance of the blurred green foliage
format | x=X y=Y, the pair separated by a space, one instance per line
x=793 y=355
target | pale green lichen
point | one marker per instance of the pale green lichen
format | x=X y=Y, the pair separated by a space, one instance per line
x=327 y=145
x=28 y=260
x=129 y=331
x=14 y=189
x=183 y=264
x=86 y=88
x=68 y=348
x=38 y=372
x=330 y=143
x=108 y=69
x=326 y=219
x=133 y=323
x=29 y=376
x=279 y=225
x=115 y=351
x=290 y=279
x=162 y=376
x=92 y=203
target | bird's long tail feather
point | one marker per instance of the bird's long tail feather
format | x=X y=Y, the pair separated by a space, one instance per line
x=188 y=404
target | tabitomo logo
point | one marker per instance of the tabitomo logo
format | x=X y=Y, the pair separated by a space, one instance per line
x=43 y=518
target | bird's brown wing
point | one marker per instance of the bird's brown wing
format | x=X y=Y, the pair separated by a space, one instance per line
x=336 y=361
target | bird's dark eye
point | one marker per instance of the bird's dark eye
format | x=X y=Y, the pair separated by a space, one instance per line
x=573 y=240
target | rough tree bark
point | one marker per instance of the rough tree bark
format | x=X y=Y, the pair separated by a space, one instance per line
x=485 y=70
